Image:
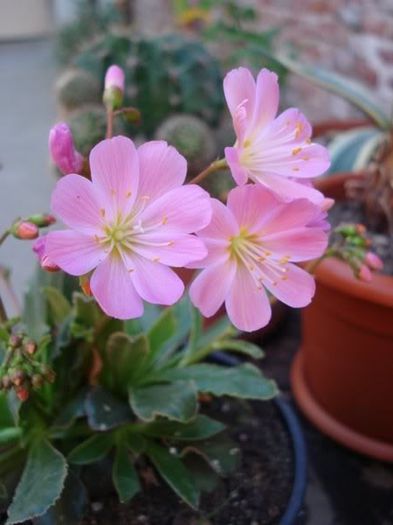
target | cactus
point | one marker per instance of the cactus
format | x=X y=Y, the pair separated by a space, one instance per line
x=75 y=88
x=164 y=75
x=88 y=126
x=192 y=138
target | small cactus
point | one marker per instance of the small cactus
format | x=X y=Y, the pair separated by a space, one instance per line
x=75 y=88
x=164 y=75
x=192 y=138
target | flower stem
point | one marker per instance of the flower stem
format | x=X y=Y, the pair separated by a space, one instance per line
x=214 y=166
x=109 y=123
x=4 y=236
x=3 y=313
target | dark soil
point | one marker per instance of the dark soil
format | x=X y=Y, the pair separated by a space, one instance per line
x=256 y=494
x=353 y=212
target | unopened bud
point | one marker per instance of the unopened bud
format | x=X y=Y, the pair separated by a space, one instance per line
x=30 y=347
x=48 y=373
x=373 y=261
x=15 y=341
x=25 y=230
x=85 y=285
x=327 y=204
x=6 y=382
x=22 y=393
x=62 y=150
x=18 y=377
x=361 y=229
x=42 y=220
x=364 y=274
x=131 y=115
x=37 y=381
x=114 y=87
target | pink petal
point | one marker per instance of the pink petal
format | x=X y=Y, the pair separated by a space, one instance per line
x=290 y=215
x=170 y=248
x=289 y=127
x=296 y=290
x=186 y=209
x=74 y=252
x=162 y=168
x=112 y=287
x=299 y=244
x=115 y=170
x=239 y=174
x=289 y=189
x=247 y=305
x=239 y=87
x=155 y=282
x=267 y=99
x=77 y=202
x=211 y=287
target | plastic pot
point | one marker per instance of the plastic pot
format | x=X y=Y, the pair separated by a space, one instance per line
x=342 y=378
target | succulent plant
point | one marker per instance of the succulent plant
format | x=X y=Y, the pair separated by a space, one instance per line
x=192 y=138
x=77 y=87
x=164 y=75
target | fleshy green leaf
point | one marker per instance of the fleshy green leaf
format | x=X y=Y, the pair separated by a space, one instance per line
x=105 y=411
x=6 y=415
x=10 y=434
x=220 y=452
x=239 y=346
x=91 y=450
x=202 y=427
x=176 y=401
x=162 y=330
x=348 y=89
x=41 y=483
x=172 y=469
x=59 y=306
x=124 y=475
x=244 y=381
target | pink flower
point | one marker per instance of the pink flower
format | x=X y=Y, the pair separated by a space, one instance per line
x=373 y=261
x=62 y=150
x=271 y=151
x=251 y=246
x=114 y=77
x=39 y=248
x=129 y=224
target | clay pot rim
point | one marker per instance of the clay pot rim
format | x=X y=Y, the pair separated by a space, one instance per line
x=337 y=274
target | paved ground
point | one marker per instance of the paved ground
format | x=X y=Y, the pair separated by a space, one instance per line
x=27 y=110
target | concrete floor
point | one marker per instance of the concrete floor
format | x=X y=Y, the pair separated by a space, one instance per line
x=27 y=110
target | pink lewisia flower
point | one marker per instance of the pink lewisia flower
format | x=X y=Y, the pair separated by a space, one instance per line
x=252 y=244
x=39 y=248
x=272 y=151
x=62 y=150
x=132 y=221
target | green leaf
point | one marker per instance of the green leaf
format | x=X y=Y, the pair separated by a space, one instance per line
x=350 y=90
x=70 y=507
x=176 y=401
x=125 y=357
x=6 y=415
x=162 y=330
x=175 y=474
x=105 y=411
x=124 y=475
x=71 y=411
x=8 y=435
x=239 y=346
x=220 y=452
x=91 y=450
x=244 y=381
x=202 y=427
x=58 y=306
x=41 y=483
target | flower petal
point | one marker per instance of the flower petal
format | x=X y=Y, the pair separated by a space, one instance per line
x=239 y=86
x=299 y=244
x=210 y=288
x=170 y=248
x=222 y=224
x=289 y=189
x=74 y=252
x=115 y=170
x=186 y=209
x=247 y=305
x=266 y=100
x=112 y=287
x=239 y=173
x=295 y=214
x=162 y=168
x=296 y=290
x=155 y=282
x=77 y=202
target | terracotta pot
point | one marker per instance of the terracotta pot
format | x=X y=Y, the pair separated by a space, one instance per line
x=342 y=377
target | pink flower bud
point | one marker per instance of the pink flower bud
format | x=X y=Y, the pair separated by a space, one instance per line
x=364 y=274
x=45 y=262
x=115 y=78
x=373 y=261
x=62 y=150
x=25 y=230
x=42 y=220
x=327 y=204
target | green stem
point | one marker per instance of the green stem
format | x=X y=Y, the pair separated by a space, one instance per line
x=3 y=313
x=214 y=166
x=4 y=236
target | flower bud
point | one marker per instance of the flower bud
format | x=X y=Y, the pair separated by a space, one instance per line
x=22 y=393
x=373 y=261
x=24 y=230
x=30 y=347
x=84 y=283
x=114 y=87
x=62 y=150
x=15 y=341
x=39 y=250
x=131 y=115
x=361 y=229
x=37 y=381
x=364 y=274
x=6 y=382
x=42 y=220
x=48 y=373
x=327 y=204
x=18 y=377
